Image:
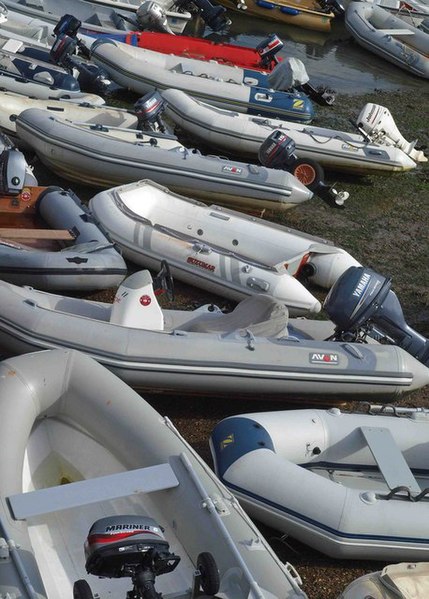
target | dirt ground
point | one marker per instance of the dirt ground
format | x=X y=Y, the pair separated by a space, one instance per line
x=384 y=226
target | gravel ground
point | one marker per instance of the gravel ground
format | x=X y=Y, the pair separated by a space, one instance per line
x=384 y=225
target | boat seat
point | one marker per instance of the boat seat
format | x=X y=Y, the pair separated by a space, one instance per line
x=260 y=314
x=18 y=233
x=135 y=304
x=94 y=490
x=12 y=45
x=389 y=458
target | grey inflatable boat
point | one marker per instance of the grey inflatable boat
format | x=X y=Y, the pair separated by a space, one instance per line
x=253 y=351
x=131 y=480
x=109 y=156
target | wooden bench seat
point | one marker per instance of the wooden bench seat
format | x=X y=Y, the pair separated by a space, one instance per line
x=17 y=233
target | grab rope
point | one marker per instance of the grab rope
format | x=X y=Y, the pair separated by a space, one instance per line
x=349 y=143
x=398 y=411
x=193 y=240
x=267 y=123
x=406 y=490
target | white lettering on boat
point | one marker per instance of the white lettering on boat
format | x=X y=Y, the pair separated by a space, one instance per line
x=322 y=358
x=361 y=286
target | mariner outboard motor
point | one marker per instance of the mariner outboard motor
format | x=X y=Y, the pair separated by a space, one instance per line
x=213 y=15
x=278 y=151
x=361 y=303
x=148 y=110
x=127 y=547
x=268 y=49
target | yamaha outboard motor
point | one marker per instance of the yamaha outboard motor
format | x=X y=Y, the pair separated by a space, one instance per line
x=90 y=76
x=278 y=151
x=362 y=303
x=127 y=546
x=149 y=109
x=268 y=49
x=151 y=16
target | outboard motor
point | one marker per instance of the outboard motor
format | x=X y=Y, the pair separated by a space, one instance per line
x=90 y=76
x=268 y=49
x=334 y=6
x=151 y=16
x=278 y=151
x=212 y=14
x=67 y=25
x=376 y=124
x=291 y=73
x=362 y=303
x=13 y=171
x=127 y=547
x=149 y=109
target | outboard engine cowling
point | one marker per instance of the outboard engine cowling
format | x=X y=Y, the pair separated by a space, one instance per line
x=13 y=171
x=362 y=302
x=148 y=110
x=151 y=16
x=68 y=25
x=129 y=546
x=268 y=49
x=292 y=74
x=277 y=151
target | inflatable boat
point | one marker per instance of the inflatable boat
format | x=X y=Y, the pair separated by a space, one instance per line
x=395 y=581
x=242 y=135
x=186 y=46
x=96 y=19
x=214 y=248
x=350 y=485
x=48 y=240
x=12 y=104
x=107 y=156
x=101 y=494
x=308 y=14
x=253 y=351
x=389 y=36
x=229 y=87
x=37 y=78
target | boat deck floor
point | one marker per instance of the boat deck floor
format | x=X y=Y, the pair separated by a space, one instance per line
x=58 y=454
